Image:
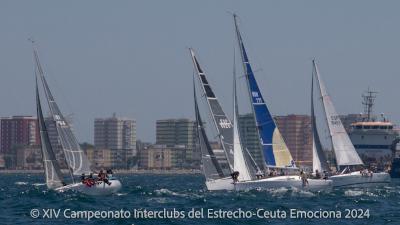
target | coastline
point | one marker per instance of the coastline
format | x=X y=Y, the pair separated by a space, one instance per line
x=161 y=172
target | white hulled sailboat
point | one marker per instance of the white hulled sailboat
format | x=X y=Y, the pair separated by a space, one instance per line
x=76 y=159
x=347 y=159
x=217 y=178
x=276 y=153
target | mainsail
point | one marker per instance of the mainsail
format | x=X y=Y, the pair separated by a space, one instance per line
x=274 y=149
x=51 y=167
x=319 y=160
x=222 y=124
x=345 y=152
x=211 y=167
x=75 y=157
x=240 y=163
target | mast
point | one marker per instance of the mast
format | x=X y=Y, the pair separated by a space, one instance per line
x=368 y=102
x=274 y=148
x=240 y=44
x=240 y=163
x=319 y=159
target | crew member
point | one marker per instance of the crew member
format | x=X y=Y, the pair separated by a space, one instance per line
x=303 y=177
x=235 y=176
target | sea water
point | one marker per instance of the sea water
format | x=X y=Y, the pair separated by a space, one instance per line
x=182 y=199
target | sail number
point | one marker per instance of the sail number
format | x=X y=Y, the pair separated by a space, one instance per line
x=58 y=120
x=256 y=97
x=335 y=120
x=225 y=123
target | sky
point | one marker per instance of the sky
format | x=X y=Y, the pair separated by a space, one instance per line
x=131 y=57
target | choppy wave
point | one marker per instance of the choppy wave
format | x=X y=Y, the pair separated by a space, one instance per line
x=21 y=183
x=187 y=191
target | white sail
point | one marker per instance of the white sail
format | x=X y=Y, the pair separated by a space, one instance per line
x=319 y=160
x=345 y=152
x=75 y=157
x=316 y=161
x=239 y=164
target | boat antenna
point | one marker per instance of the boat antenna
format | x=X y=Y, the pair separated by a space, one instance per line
x=368 y=102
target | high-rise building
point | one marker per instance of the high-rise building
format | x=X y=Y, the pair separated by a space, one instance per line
x=296 y=131
x=173 y=132
x=17 y=131
x=250 y=138
x=119 y=135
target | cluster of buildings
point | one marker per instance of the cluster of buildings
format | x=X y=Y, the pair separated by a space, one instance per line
x=116 y=145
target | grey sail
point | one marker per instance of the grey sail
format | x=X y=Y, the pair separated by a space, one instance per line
x=75 y=157
x=211 y=168
x=319 y=160
x=222 y=124
x=51 y=167
x=345 y=152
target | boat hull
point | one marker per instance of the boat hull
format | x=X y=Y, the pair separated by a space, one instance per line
x=100 y=188
x=356 y=179
x=220 y=184
x=284 y=181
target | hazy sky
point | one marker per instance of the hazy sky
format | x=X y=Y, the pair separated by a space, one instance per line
x=131 y=57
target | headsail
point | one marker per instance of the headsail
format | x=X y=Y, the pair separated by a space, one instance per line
x=75 y=157
x=51 y=168
x=240 y=163
x=319 y=160
x=222 y=124
x=274 y=149
x=345 y=152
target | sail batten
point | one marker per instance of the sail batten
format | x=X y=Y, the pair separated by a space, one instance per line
x=75 y=157
x=274 y=149
x=345 y=153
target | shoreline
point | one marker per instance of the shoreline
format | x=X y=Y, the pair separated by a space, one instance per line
x=161 y=172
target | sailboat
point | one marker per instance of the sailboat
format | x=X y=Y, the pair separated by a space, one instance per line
x=274 y=150
x=76 y=159
x=217 y=178
x=348 y=161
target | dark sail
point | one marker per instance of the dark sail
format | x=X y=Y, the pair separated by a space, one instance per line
x=51 y=167
x=222 y=124
x=211 y=167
